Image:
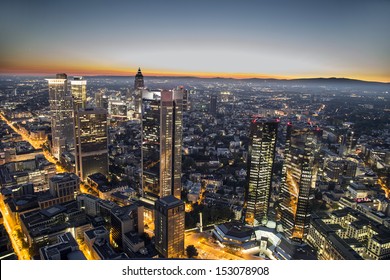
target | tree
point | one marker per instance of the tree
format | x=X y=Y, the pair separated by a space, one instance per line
x=146 y=238
x=191 y=251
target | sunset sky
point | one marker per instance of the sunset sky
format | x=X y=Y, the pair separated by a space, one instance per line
x=286 y=39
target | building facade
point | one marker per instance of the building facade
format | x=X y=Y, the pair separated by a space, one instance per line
x=79 y=92
x=91 y=151
x=161 y=144
x=139 y=80
x=61 y=108
x=169 y=227
x=299 y=178
x=263 y=135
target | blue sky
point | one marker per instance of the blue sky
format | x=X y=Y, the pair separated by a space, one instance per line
x=248 y=38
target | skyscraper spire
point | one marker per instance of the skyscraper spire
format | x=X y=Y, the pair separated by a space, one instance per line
x=139 y=79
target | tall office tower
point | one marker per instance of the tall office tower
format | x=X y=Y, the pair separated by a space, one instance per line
x=79 y=92
x=186 y=102
x=137 y=102
x=263 y=135
x=61 y=109
x=213 y=105
x=101 y=100
x=169 y=226
x=299 y=178
x=139 y=80
x=161 y=144
x=137 y=94
x=91 y=151
x=348 y=143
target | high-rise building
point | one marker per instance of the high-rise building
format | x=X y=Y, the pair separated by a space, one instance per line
x=137 y=93
x=91 y=151
x=213 y=105
x=139 y=80
x=299 y=178
x=79 y=92
x=101 y=101
x=169 y=227
x=186 y=101
x=61 y=109
x=161 y=144
x=263 y=135
x=348 y=143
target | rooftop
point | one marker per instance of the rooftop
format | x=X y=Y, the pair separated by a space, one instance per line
x=169 y=201
x=123 y=213
x=63 y=177
x=382 y=238
x=236 y=229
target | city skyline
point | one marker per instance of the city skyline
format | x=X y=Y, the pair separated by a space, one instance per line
x=222 y=130
x=269 y=170
x=269 y=40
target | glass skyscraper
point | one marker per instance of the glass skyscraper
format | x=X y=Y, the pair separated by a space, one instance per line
x=61 y=108
x=161 y=143
x=299 y=178
x=263 y=135
x=91 y=151
x=169 y=227
x=79 y=92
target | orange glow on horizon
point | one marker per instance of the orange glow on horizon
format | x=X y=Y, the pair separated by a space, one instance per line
x=120 y=71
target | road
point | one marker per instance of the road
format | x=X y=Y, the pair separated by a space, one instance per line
x=11 y=229
x=212 y=251
x=384 y=187
x=26 y=137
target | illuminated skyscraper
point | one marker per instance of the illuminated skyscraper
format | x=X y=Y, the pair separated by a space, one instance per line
x=263 y=135
x=186 y=100
x=161 y=143
x=299 y=178
x=169 y=227
x=101 y=101
x=348 y=143
x=91 y=151
x=139 y=80
x=61 y=109
x=79 y=92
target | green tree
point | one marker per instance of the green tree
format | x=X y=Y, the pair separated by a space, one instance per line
x=191 y=251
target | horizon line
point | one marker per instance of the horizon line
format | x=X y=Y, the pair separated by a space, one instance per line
x=234 y=76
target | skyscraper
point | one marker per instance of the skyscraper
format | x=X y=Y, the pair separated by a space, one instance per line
x=169 y=227
x=139 y=80
x=139 y=88
x=91 y=151
x=61 y=109
x=101 y=101
x=263 y=135
x=348 y=142
x=213 y=105
x=186 y=101
x=161 y=143
x=79 y=92
x=299 y=178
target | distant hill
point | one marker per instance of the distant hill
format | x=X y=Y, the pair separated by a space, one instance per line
x=332 y=80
